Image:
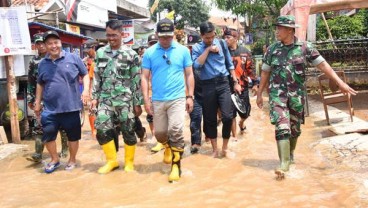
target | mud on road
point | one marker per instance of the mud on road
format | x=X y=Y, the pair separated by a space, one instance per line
x=246 y=179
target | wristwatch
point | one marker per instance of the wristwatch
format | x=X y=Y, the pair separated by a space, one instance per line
x=189 y=96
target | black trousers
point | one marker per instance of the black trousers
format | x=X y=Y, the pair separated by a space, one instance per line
x=216 y=95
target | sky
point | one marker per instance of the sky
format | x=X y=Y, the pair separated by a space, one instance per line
x=213 y=12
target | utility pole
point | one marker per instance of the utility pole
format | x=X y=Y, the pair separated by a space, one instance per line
x=12 y=96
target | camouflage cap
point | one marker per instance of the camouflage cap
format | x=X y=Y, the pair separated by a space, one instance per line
x=38 y=37
x=286 y=21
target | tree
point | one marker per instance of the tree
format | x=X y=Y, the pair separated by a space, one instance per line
x=255 y=11
x=365 y=22
x=260 y=15
x=343 y=26
x=187 y=12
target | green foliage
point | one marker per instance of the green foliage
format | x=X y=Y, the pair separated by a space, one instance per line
x=241 y=7
x=343 y=26
x=193 y=12
x=260 y=13
x=365 y=22
x=257 y=47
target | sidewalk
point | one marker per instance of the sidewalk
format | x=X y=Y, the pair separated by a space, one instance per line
x=349 y=151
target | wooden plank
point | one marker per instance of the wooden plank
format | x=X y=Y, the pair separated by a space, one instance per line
x=362 y=131
x=12 y=96
x=3 y=138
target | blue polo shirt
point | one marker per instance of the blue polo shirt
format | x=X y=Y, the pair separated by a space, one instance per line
x=167 y=69
x=60 y=79
x=215 y=65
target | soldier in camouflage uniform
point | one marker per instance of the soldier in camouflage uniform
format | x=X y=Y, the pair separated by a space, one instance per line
x=284 y=66
x=35 y=128
x=117 y=95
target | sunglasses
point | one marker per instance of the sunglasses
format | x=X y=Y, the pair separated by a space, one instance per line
x=167 y=59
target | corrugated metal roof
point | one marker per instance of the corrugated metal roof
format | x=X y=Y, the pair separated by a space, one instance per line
x=60 y=31
x=39 y=4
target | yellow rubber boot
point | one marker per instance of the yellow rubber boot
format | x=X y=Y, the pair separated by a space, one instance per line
x=129 y=157
x=111 y=158
x=175 y=165
x=167 y=154
x=157 y=148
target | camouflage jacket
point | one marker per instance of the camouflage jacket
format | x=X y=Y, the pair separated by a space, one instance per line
x=287 y=65
x=117 y=77
x=32 y=78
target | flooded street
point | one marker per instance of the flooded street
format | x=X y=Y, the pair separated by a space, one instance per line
x=246 y=179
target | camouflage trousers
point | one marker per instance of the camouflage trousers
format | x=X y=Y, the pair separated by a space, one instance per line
x=287 y=114
x=110 y=118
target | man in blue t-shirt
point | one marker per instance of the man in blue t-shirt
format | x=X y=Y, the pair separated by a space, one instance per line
x=170 y=65
x=58 y=88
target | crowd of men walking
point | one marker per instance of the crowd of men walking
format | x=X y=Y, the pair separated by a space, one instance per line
x=211 y=79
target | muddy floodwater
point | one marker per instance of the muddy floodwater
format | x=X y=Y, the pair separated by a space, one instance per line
x=245 y=179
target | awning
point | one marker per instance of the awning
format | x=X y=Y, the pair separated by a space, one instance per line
x=35 y=25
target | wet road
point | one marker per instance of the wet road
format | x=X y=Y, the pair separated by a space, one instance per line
x=246 y=179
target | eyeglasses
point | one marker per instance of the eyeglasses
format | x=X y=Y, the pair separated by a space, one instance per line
x=111 y=35
x=166 y=58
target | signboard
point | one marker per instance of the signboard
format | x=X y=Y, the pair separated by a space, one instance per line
x=72 y=28
x=83 y=12
x=105 y=4
x=128 y=32
x=248 y=38
x=14 y=33
x=19 y=69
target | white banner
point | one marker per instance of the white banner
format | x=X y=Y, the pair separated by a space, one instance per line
x=128 y=32
x=84 y=12
x=18 y=66
x=14 y=33
x=105 y=4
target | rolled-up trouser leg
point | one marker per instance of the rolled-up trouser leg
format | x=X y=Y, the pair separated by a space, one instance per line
x=210 y=107
x=226 y=107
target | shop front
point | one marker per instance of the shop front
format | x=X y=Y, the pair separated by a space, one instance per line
x=70 y=42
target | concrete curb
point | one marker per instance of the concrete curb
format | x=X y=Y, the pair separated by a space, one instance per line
x=10 y=149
